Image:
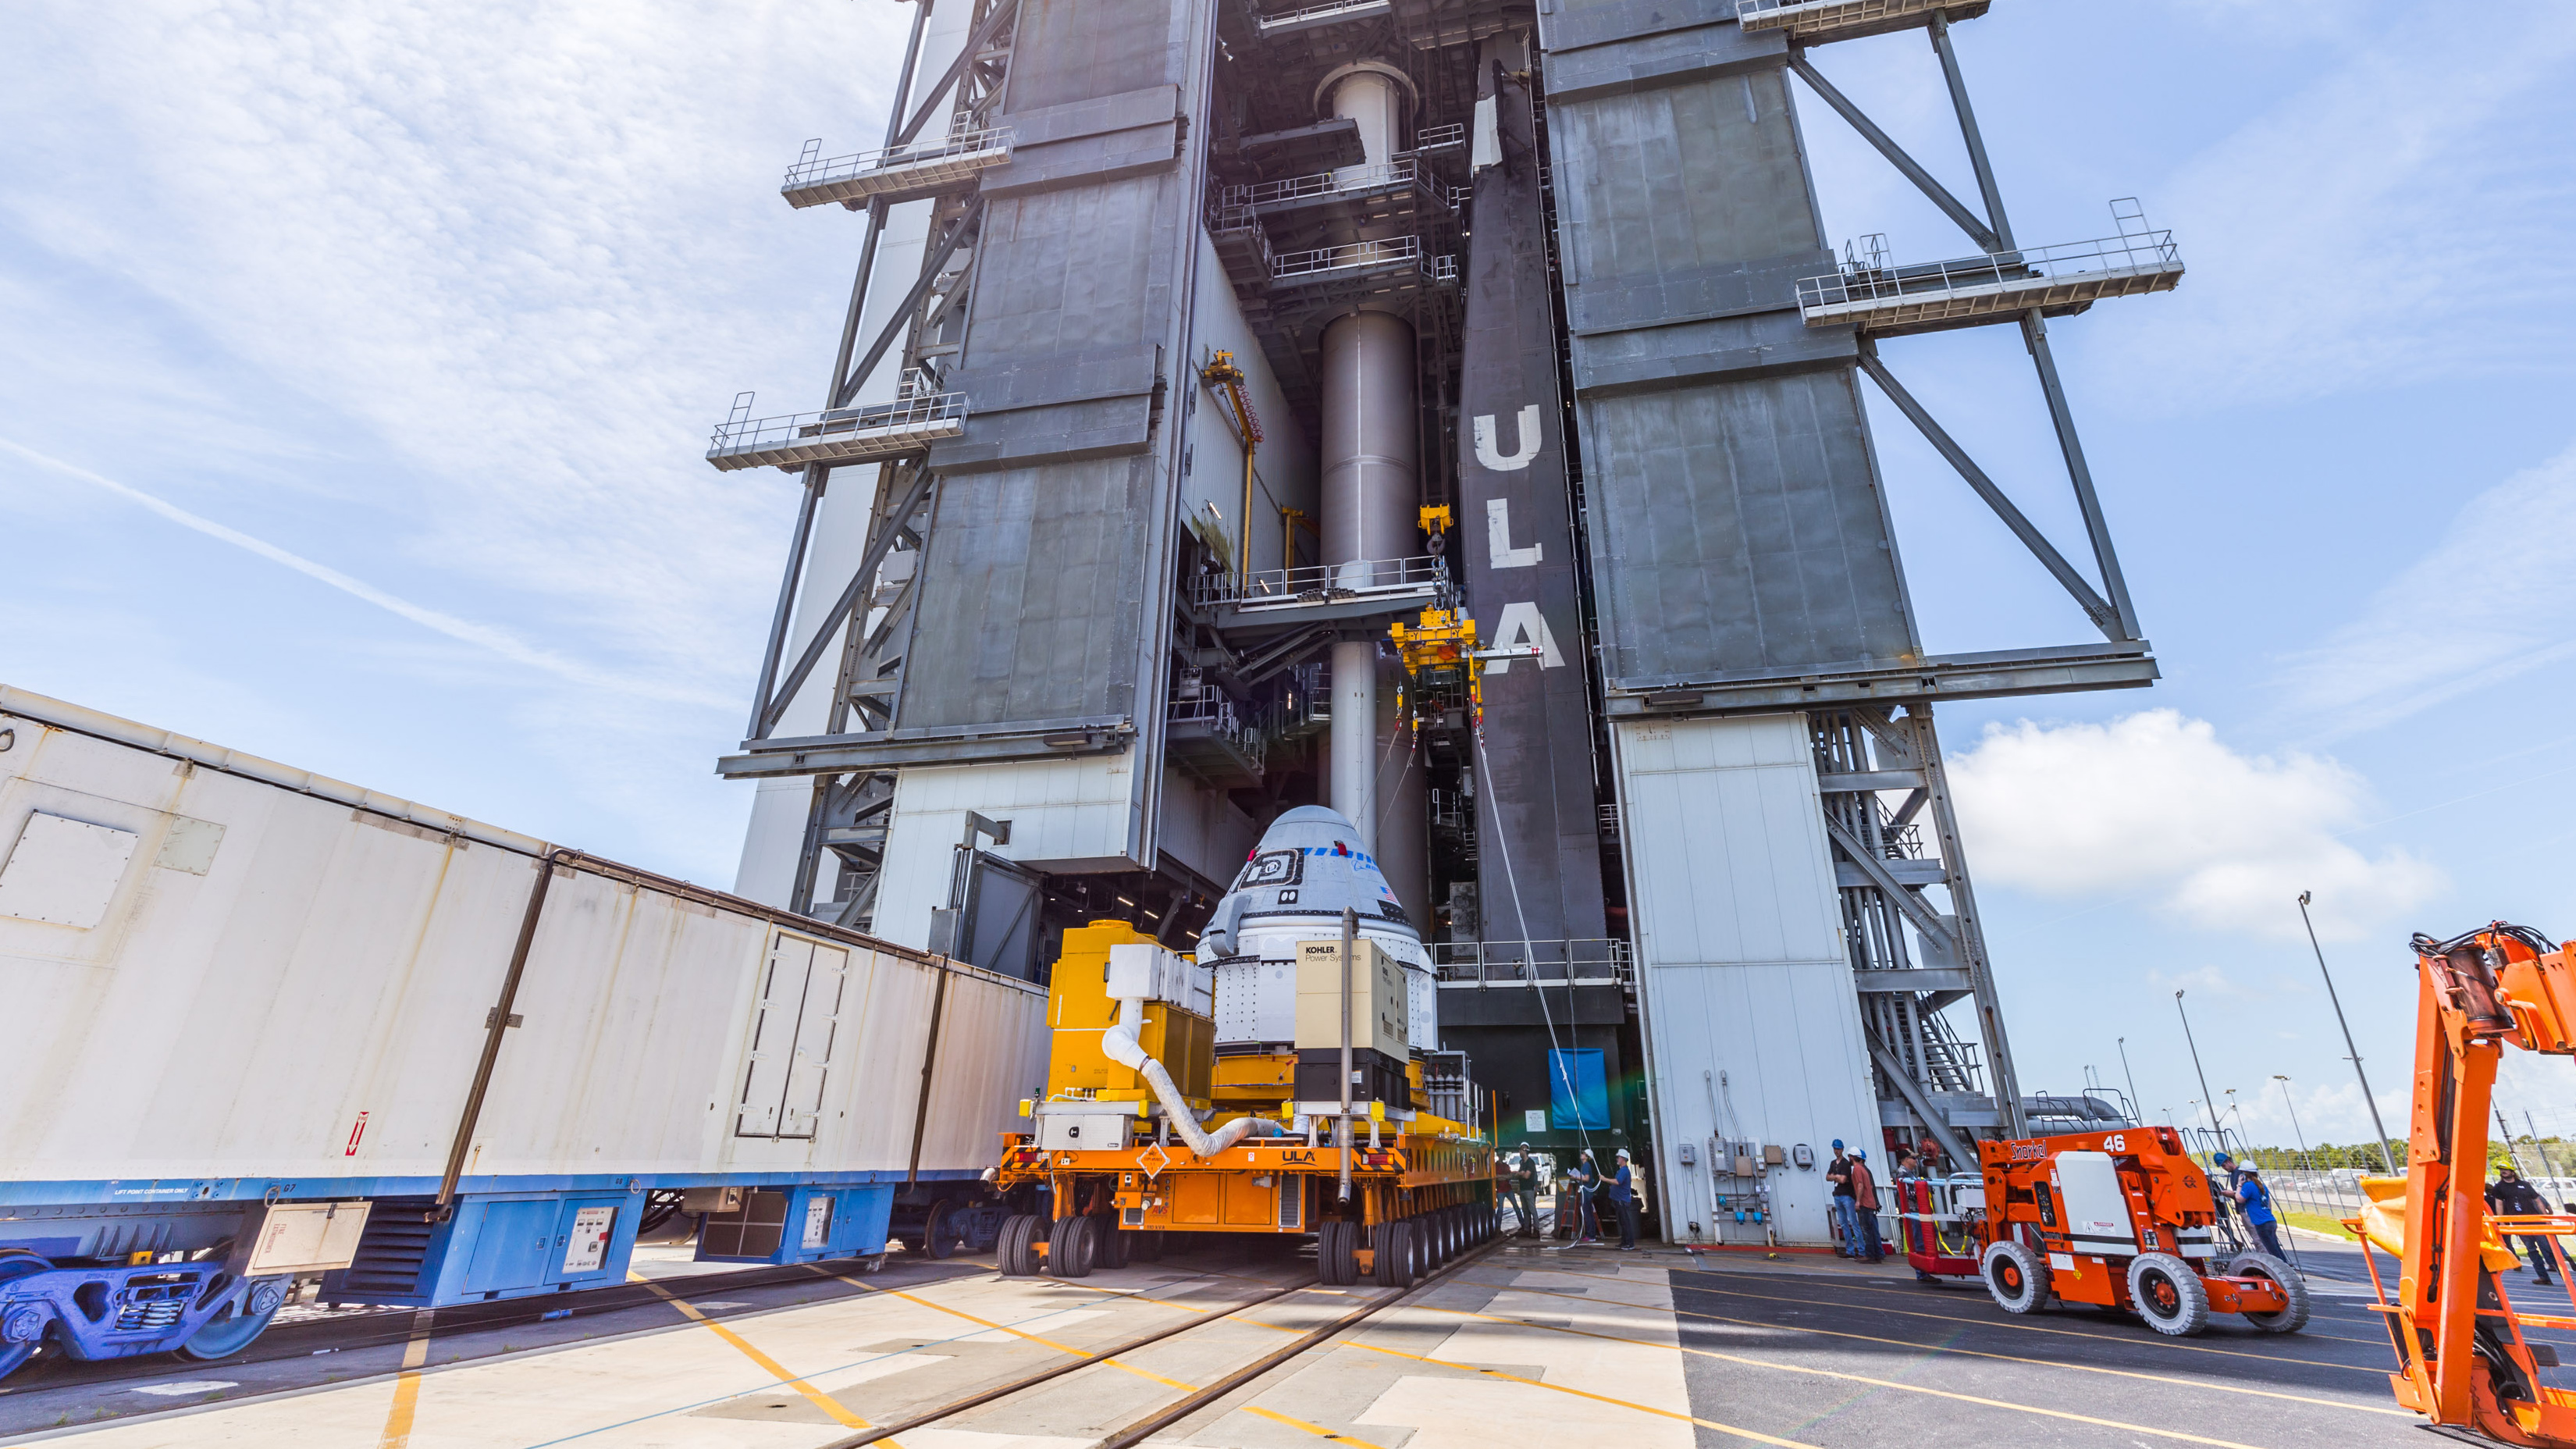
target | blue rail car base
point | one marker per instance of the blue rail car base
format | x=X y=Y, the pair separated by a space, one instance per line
x=200 y=1309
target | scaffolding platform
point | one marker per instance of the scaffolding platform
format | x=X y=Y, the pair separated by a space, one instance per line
x=1208 y=741
x=1480 y=965
x=1323 y=593
x=1348 y=199
x=838 y=435
x=895 y=174
x=1896 y=301
x=1814 y=22
x=1316 y=17
x=1336 y=277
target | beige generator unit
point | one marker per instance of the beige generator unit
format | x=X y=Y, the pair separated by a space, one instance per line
x=1380 y=1024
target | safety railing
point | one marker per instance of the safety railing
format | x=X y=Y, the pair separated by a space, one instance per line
x=1435 y=138
x=1867 y=282
x=1579 y=962
x=1211 y=715
x=1825 y=14
x=877 y=430
x=1402 y=171
x=1391 y=255
x=1324 y=583
x=987 y=145
x=1324 y=14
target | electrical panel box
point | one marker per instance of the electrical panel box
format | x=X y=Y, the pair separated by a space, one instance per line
x=1091 y=1131
x=308 y=1237
x=1771 y=1155
x=1380 y=1021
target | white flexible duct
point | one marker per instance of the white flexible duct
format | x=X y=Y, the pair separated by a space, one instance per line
x=1120 y=1045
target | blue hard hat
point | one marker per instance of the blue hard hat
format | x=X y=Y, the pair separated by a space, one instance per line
x=1838 y=1144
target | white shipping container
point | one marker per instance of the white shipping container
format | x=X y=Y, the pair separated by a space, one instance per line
x=285 y=985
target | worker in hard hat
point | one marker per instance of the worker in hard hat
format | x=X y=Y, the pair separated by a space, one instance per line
x=1525 y=1193
x=1864 y=1206
x=2259 y=1215
x=1622 y=1184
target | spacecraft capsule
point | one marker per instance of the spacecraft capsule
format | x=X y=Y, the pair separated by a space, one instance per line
x=1307 y=869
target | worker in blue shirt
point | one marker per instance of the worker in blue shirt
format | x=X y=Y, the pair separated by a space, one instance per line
x=1623 y=1195
x=2258 y=1209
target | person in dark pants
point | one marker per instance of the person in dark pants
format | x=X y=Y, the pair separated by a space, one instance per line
x=1838 y=1173
x=1864 y=1200
x=1623 y=1195
x=2259 y=1215
x=1525 y=1193
x=2510 y=1196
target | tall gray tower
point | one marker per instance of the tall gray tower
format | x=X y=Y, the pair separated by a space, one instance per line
x=1205 y=361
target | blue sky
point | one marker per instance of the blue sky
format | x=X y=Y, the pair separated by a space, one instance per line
x=360 y=361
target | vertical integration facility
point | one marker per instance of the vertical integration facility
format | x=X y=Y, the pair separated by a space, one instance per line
x=1449 y=412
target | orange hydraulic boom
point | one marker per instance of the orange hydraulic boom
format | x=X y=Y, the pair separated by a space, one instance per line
x=2459 y=1340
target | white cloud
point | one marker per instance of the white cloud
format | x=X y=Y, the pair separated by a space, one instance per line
x=2154 y=805
x=2376 y=226
x=527 y=253
x=2483 y=606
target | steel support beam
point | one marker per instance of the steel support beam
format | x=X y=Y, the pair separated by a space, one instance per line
x=975 y=43
x=1926 y=920
x=1951 y=206
x=1963 y=1149
x=902 y=318
x=1971 y=938
x=2034 y=332
x=2104 y=617
x=1940 y=31
x=821 y=638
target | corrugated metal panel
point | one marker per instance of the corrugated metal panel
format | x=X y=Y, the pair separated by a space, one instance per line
x=312 y=1005
x=1738 y=523
x=1741 y=967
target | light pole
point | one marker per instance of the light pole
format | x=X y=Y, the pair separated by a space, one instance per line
x=2208 y=1103
x=2134 y=1104
x=2387 y=1158
x=2294 y=1115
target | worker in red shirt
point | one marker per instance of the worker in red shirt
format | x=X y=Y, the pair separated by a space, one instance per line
x=1864 y=1187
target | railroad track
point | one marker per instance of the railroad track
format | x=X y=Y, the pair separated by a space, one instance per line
x=393 y=1327
x=1137 y=1430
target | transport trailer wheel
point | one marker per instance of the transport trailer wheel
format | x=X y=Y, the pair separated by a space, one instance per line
x=938 y=1239
x=1397 y=1250
x=1017 y=1246
x=2168 y=1294
x=1337 y=1253
x=1070 y=1245
x=1111 y=1244
x=2295 y=1288
x=2015 y=1276
x=239 y=1323
x=22 y=1331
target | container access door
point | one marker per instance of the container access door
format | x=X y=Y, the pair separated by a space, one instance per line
x=801 y=991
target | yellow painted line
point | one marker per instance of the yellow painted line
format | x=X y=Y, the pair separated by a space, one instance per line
x=2159 y=1340
x=813 y=1395
x=1754 y=1435
x=1791 y=1368
x=1049 y=1342
x=1318 y=1430
x=1969 y=1352
x=406 y=1405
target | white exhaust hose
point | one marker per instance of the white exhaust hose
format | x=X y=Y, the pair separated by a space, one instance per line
x=1120 y=1045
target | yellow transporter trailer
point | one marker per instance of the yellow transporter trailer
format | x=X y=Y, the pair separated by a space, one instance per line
x=1144 y=1130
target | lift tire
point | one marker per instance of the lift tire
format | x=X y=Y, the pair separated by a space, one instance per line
x=1337 y=1253
x=1449 y=1236
x=2168 y=1294
x=2271 y=1269
x=1462 y=1234
x=2016 y=1277
x=1069 y=1247
x=1397 y=1250
x=1017 y=1245
x=1112 y=1245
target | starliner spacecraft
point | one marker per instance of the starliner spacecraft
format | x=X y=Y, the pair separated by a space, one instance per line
x=1308 y=868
